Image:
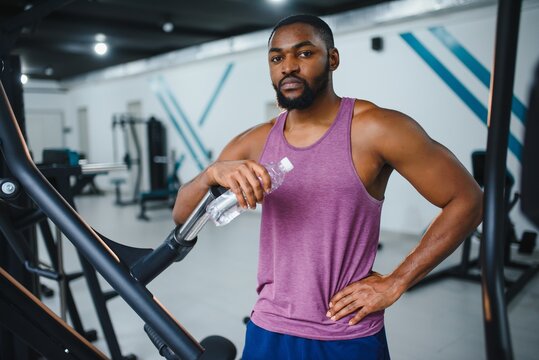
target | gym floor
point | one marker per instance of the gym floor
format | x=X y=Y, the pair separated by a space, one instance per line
x=213 y=289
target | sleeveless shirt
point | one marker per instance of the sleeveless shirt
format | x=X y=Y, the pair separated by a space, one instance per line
x=319 y=233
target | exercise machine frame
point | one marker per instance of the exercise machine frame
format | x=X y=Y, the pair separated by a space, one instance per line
x=121 y=266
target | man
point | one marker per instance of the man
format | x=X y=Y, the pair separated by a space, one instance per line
x=318 y=296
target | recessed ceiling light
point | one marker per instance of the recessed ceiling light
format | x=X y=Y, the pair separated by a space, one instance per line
x=100 y=37
x=24 y=79
x=168 y=27
x=101 y=48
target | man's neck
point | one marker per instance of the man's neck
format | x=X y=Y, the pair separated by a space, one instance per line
x=323 y=109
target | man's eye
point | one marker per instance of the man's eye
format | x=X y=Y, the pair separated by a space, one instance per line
x=276 y=59
x=305 y=53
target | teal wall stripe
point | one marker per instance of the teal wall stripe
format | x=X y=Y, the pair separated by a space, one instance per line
x=458 y=88
x=215 y=94
x=481 y=72
x=178 y=128
x=187 y=122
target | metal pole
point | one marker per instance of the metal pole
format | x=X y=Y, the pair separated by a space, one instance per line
x=497 y=336
x=61 y=272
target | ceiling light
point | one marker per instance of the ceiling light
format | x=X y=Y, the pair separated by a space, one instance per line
x=24 y=79
x=168 y=27
x=100 y=37
x=276 y=1
x=101 y=48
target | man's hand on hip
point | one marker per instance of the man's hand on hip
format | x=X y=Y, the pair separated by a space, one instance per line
x=373 y=293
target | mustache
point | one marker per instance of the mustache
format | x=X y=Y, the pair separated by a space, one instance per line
x=291 y=77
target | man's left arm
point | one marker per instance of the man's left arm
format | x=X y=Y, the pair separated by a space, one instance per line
x=437 y=175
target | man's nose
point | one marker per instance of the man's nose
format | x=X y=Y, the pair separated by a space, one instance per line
x=289 y=66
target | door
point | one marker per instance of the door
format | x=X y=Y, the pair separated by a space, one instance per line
x=45 y=129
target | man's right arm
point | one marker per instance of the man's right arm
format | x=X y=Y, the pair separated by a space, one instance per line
x=236 y=168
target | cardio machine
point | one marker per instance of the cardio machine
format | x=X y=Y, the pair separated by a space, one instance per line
x=128 y=270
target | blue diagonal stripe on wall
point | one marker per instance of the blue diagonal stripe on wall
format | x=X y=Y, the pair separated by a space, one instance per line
x=481 y=72
x=457 y=87
x=215 y=94
x=185 y=119
x=178 y=128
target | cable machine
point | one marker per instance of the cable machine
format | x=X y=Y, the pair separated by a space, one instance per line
x=161 y=168
x=127 y=125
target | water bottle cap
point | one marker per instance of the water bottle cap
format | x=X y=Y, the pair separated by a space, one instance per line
x=286 y=164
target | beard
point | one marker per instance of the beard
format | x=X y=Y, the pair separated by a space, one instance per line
x=309 y=94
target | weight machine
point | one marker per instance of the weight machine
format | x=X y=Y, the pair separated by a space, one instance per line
x=162 y=168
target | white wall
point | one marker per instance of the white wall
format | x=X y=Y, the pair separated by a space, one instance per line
x=395 y=78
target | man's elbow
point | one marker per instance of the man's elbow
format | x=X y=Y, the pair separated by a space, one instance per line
x=475 y=206
x=176 y=218
x=177 y=214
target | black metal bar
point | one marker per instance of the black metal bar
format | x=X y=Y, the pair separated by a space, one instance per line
x=497 y=336
x=530 y=168
x=71 y=306
x=25 y=316
x=522 y=280
x=59 y=176
x=29 y=218
x=178 y=243
x=147 y=268
x=86 y=240
x=100 y=304
x=14 y=239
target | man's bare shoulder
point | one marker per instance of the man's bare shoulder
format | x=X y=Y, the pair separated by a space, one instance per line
x=373 y=121
x=372 y=117
x=386 y=132
x=248 y=144
x=256 y=132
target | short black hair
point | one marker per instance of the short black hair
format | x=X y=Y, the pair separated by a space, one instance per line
x=320 y=26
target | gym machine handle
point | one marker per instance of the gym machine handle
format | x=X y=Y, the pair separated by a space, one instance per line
x=177 y=244
x=86 y=240
x=163 y=348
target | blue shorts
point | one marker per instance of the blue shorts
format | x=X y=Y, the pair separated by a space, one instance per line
x=262 y=344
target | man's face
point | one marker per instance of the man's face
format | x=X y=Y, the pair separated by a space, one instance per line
x=299 y=65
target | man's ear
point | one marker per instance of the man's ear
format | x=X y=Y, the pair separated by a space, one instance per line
x=333 y=59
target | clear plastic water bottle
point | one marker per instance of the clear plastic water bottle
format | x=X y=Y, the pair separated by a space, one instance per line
x=225 y=208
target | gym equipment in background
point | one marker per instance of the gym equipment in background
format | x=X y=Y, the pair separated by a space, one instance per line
x=530 y=156
x=126 y=269
x=162 y=169
x=127 y=125
x=164 y=181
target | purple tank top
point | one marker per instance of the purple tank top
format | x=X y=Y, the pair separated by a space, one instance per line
x=319 y=233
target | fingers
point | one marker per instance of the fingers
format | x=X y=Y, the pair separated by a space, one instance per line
x=348 y=305
x=253 y=190
x=344 y=306
x=360 y=315
x=362 y=298
x=340 y=295
x=264 y=179
x=247 y=179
